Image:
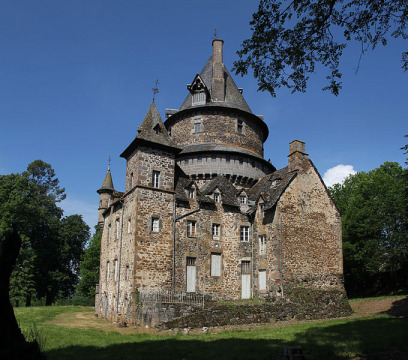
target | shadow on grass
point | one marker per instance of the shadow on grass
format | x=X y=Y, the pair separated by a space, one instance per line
x=399 y=308
x=319 y=341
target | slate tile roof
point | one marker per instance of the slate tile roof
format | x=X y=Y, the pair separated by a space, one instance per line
x=226 y=188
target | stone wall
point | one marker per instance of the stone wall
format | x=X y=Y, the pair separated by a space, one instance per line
x=217 y=128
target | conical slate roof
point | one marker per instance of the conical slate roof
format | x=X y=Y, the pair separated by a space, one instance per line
x=153 y=129
x=107 y=183
x=233 y=96
x=151 y=132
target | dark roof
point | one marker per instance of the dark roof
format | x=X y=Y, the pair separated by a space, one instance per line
x=152 y=132
x=233 y=97
x=227 y=190
x=107 y=183
x=183 y=182
x=271 y=187
x=223 y=148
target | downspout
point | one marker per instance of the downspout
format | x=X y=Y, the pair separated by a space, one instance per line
x=252 y=258
x=120 y=257
x=175 y=219
x=281 y=262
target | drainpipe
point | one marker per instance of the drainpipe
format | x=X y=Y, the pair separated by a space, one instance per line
x=281 y=262
x=175 y=219
x=252 y=258
x=120 y=257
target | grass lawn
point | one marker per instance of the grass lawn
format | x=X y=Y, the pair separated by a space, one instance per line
x=73 y=333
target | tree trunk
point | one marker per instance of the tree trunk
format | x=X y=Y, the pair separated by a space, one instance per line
x=12 y=342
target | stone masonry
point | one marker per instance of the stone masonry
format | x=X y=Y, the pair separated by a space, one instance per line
x=204 y=213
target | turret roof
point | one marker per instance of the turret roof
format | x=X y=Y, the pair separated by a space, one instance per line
x=233 y=96
x=107 y=183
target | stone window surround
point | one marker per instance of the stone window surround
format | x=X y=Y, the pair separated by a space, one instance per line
x=240 y=127
x=216 y=231
x=116 y=272
x=155 y=178
x=117 y=228
x=244 y=233
x=261 y=210
x=216 y=259
x=129 y=225
x=264 y=290
x=197 y=125
x=154 y=225
x=191 y=228
x=262 y=244
x=243 y=199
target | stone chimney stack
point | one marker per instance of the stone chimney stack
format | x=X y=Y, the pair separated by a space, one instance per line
x=218 y=81
x=297 y=155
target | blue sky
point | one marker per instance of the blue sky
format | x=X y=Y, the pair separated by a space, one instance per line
x=77 y=79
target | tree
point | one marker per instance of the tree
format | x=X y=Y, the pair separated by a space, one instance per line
x=89 y=267
x=405 y=148
x=52 y=245
x=290 y=37
x=373 y=207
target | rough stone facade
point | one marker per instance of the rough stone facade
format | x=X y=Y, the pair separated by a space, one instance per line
x=204 y=213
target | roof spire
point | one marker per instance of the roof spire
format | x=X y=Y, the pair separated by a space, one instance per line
x=215 y=34
x=156 y=88
x=107 y=185
x=109 y=161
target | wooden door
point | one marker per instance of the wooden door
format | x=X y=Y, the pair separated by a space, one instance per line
x=191 y=275
x=246 y=280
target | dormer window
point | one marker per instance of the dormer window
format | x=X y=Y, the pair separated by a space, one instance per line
x=262 y=210
x=242 y=200
x=199 y=98
x=191 y=193
x=217 y=197
x=157 y=129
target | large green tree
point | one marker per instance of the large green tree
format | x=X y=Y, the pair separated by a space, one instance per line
x=289 y=38
x=373 y=207
x=47 y=265
x=89 y=267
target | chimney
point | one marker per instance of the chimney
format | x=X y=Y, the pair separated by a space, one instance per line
x=297 y=155
x=218 y=81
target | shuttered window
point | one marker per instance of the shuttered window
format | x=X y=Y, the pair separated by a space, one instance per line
x=215 y=264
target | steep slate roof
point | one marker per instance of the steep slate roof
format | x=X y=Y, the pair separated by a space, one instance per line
x=147 y=133
x=182 y=183
x=271 y=193
x=107 y=183
x=233 y=97
x=227 y=190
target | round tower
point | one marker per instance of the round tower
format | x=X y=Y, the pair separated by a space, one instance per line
x=105 y=195
x=216 y=129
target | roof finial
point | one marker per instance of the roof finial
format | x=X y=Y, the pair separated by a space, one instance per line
x=215 y=34
x=109 y=161
x=155 y=89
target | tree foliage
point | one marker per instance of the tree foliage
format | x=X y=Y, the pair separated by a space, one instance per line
x=52 y=245
x=374 y=214
x=289 y=38
x=89 y=267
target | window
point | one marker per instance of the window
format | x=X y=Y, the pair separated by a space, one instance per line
x=116 y=270
x=155 y=224
x=117 y=229
x=199 y=158
x=186 y=161
x=228 y=159
x=217 y=197
x=100 y=203
x=191 y=193
x=242 y=200
x=109 y=233
x=262 y=244
x=215 y=264
x=241 y=160
x=131 y=180
x=157 y=129
x=199 y=98
x=213 y=158
x=240 y=127
x=156 y=177
x=197 y=125
x=216 y=230
x=127 y=273
x=107 y=271
x=129 y=226
x=245 y=233
x=169 y=131
x=191 y=228
x=262 y=279
x=261 y=210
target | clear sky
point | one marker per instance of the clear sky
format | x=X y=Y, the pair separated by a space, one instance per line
x=77 y=79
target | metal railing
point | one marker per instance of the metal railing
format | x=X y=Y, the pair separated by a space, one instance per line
x=171 y=297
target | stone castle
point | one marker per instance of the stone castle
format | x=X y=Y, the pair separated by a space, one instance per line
x=204 y=213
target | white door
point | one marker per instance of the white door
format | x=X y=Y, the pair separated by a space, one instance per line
x=191 y=275
x=246 y=280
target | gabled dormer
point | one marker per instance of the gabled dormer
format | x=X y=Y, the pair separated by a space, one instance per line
x=199 y=91
x=242 y=197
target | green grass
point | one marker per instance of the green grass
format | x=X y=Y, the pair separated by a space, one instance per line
x=320 y=340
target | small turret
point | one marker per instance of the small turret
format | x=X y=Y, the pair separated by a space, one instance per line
x=105 y=195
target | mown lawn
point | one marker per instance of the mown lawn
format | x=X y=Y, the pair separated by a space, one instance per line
x=329 y=339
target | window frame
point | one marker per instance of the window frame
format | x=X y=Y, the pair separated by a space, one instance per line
x=155 y=226
x=262 y=244
x=216 y=265
x=216 y=230
x=244 y=233
x=191 y=228
x=155 y=178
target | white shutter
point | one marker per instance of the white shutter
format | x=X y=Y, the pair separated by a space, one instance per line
x=262 y=279
x=215 y=264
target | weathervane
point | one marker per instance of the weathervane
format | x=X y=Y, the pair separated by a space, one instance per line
x=109 y=161
x=155 y=89
x=215 y=34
